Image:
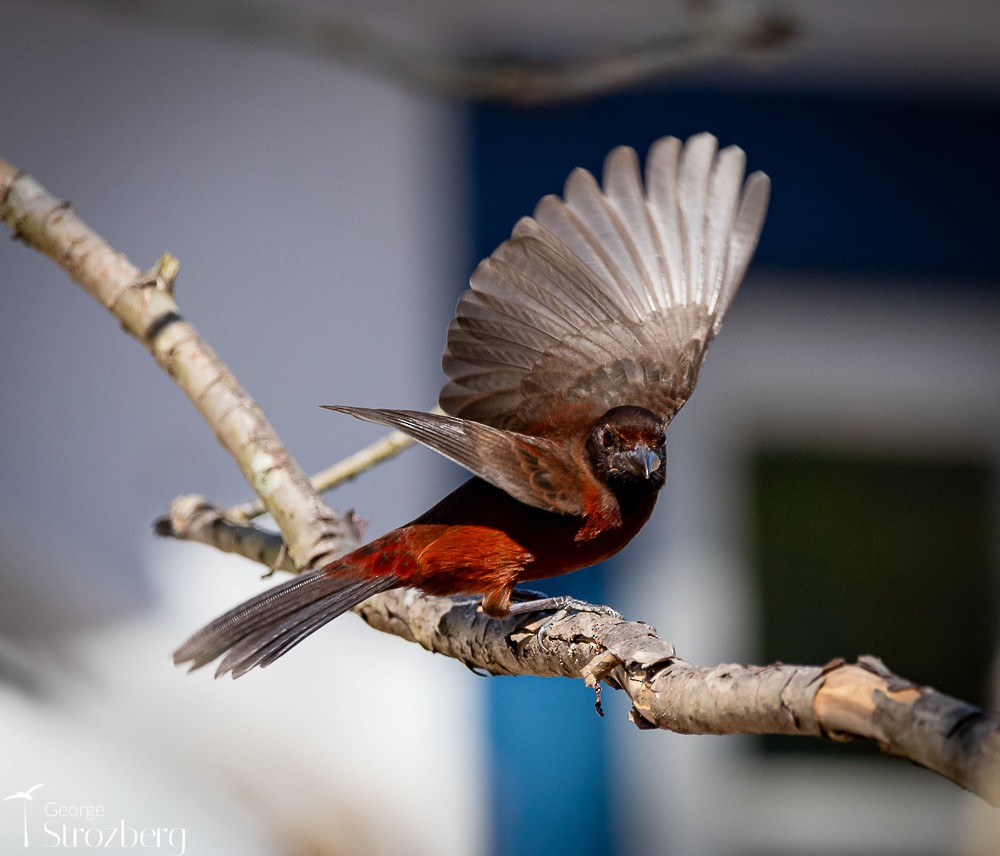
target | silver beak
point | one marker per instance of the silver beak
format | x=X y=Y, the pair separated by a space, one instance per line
x=641 y=461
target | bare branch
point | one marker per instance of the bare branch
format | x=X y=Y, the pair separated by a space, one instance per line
x=194 y=518
x=145 y=306
x=839 y=700
x=351 y=467
x=715 y=31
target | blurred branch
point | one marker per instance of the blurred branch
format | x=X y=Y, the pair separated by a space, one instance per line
x=838 y=701
x=716 y=31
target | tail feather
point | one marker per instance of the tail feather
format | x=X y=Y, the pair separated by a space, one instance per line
x=257 y=632
x=265 y=646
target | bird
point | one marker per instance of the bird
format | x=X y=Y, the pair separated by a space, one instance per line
x=580 y=338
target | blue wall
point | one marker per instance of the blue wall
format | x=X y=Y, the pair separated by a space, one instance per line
x=861 y=185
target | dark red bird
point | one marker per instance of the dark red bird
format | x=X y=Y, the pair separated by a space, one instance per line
x=581 y=337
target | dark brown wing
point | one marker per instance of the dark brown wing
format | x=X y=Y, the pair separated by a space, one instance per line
x=533 y=470
x=607 y=298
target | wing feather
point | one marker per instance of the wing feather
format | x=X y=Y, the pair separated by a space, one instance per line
x=533 y=470
x=694 y=172
x=623 y=184
x=613 y=254
x=661 y=188
x=608 y=296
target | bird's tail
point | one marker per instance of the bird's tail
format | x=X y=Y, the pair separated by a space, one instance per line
x=257 y=632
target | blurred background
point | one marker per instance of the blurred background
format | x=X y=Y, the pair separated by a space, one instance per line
x=328 y=173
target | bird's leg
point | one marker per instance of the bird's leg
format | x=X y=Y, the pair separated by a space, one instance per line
x=526 y=601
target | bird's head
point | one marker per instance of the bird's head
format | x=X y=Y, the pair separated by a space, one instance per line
x=627 y=449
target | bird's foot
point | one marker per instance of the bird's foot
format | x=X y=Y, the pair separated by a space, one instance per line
x=526 y=602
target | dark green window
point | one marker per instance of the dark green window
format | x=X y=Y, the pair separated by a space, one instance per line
x=869 y=554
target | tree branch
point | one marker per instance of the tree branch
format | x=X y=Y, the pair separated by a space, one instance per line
x=711 y=32
x=840 y=701
x=144 y=304
x=349 y=468
x=194 y=518
x=837 y=701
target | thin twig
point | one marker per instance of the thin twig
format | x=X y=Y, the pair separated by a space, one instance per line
x=351 y=467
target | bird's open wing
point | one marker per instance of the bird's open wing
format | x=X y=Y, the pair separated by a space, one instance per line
x=607 y=297
x=533 y=470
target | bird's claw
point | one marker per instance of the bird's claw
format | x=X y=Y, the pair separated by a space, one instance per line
x=538 y=602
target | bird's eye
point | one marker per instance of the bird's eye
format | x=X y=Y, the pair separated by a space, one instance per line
x=607 y=440
x=660 y=441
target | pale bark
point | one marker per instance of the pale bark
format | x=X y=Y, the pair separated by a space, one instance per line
x=143 y=302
